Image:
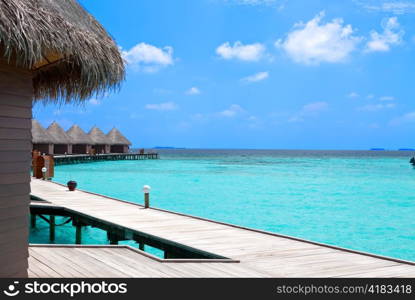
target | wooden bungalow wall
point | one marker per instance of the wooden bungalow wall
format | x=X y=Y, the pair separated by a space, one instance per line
x=15 y=146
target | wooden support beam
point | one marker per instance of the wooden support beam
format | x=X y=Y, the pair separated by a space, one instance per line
x=52 y=228
x=113 y=238
x=78 y=237
x=32 y=220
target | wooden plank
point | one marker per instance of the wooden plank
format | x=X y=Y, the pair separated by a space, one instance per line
x=14 y=178
x=20 y=209
x=7 y=190
x=15 y=134
x=55 y=262
x=9 y=156
x=15 y=167
x=15 y=111
x=12 y=201
x=46 y=270
x=15 y=145
x=15 y=82
x=17 y=123
x=68 y=258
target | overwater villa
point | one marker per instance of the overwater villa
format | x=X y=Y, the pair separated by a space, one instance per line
x=119 y=143
x=42 y=141
x=54 y=140
x=101 y=142
x=82 y=143
x=50 y=51
x=63 y=143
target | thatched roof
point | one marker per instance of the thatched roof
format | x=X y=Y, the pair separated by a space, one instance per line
x=116 y=138
x=98 y=137
x=40 y=135
x=78 y=136
x=58 y=134
x=71 y=55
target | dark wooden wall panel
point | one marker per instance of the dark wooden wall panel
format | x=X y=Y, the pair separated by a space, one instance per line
x=15 y=145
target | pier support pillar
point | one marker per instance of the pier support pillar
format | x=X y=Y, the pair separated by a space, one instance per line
x=141 y=246
x=33 y=221
x=78 y=234
x=52 y=228
x=113 y=238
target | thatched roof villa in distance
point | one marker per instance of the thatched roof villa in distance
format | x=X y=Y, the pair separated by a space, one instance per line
x=52 y=51
x=118 y=142
x=54 y=140
x=41 y=139
x=101 y=142
x=81 y=142
x=63 y=143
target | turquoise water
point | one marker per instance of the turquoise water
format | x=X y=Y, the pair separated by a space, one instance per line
x=358 y=200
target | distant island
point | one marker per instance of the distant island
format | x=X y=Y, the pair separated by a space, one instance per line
x=161 y=147
x=400 y=149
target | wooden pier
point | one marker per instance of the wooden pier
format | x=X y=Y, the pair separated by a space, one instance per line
x=247 y=252
x=86 y=158
x=54 y=261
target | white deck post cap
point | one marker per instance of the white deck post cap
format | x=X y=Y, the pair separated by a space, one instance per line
x=146 y=189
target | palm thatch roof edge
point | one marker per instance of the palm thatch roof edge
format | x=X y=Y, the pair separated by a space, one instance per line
x=71 y=55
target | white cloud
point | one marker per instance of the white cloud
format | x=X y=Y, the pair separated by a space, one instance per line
x=193 y=91
x=199 y=117
x=370 y=96
x=313 y=42
x=406 y=118
x=353 y=95
x=256 y=77
x=314 y=108
x=94 y=101
x=387 y=98
x=391 y=36
x=250 y=52
x=149 y=58
x=232 y=111
x=162 y=106
x=376 y=107
x=397 y=7
x=311 y=109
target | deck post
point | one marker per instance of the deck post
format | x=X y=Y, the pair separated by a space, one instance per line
x=32 y=220
x=146 y=191
x=146 y=200
x=141 y=246
x=112 y=237
x=52 y=228
x=78 y=238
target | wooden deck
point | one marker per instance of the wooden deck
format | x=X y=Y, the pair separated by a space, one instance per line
x=68 y=261
x=261 y=254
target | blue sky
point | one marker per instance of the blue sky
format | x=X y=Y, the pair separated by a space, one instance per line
x=297 y=74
